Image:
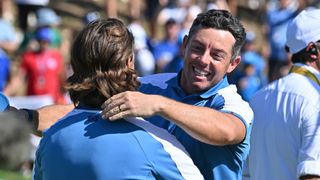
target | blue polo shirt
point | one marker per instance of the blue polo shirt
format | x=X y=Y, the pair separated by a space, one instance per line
x=214 y=162
x=82 y=145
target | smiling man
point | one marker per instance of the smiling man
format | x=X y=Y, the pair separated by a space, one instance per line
x=207 y=115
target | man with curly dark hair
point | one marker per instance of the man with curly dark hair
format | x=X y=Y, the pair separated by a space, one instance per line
x=82 y=145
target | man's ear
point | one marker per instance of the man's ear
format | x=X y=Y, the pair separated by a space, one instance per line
x=233 y=64
x=184 y=43
x=130 y=62
x=313 y=51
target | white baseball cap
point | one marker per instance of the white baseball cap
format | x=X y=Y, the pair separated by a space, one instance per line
x=303 y=29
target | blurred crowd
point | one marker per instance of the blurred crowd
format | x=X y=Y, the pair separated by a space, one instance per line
x=34 y=51
x=34 y=48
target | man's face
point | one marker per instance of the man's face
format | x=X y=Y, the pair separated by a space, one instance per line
x=207 y=57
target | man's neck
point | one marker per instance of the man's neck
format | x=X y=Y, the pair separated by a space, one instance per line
x=314 y=64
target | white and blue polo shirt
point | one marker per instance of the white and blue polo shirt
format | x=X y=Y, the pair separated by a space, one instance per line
x=82 y=145
x=214 y=162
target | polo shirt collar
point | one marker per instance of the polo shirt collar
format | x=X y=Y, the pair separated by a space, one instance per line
x=309 y=68
x=175 y=83
x=212 y=91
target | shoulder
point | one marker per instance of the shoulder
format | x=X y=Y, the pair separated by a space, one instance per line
x=159 y=134
x=71 y=121
x=156 y=78
x=294 y=85
x=160 y=80
x=234 y=104
x=169 y=157
x=294 y=90
x=230 y=95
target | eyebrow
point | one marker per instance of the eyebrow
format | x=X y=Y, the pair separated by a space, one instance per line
x=197 y=42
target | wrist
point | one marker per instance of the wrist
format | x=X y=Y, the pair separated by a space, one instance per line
x=31 y=117
x=164 y=105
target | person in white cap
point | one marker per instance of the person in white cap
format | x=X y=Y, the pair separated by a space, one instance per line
x=285 y=139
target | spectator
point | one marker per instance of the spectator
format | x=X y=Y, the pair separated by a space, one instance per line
x=249 y=76
x=279 y=13
x=44 y=69
x=151 y=15
x=165 y=50
x=4 y=70
x=8 y=45
x=176 y=64
x=8 y=38
x=285 y=134
x=133 y=7
x=177 y=10
x=249 y=83
x=103 y=65
x=46 y=18
x=144 y=60
x=25 y=7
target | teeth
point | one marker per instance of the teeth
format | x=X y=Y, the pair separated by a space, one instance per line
x=199 y=72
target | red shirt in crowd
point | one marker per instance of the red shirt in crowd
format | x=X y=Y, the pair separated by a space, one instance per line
x=44 y=71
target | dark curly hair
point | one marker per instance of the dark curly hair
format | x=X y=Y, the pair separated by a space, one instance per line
x=99 y=59
x=222 y=20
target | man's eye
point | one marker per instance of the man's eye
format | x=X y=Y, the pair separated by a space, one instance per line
x=217 y=57
x=197 y=48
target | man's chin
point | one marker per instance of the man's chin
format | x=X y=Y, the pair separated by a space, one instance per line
x=200 y=87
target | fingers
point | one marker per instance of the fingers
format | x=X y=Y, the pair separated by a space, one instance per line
x=118 y=112
x=110 y=102
x=109 y=111
x=120 y=115
x=114 y=108
x=117 y=106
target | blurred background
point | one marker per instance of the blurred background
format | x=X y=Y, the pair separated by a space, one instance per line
x=36 y=35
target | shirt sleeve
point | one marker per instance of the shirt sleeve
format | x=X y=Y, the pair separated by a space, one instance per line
x=234 y=104
x=37 y=175
x=309 y=152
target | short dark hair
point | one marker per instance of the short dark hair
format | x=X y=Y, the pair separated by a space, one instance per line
x=99 y=60
x=222 y=20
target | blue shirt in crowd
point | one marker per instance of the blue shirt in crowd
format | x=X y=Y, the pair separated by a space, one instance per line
x=4 y=69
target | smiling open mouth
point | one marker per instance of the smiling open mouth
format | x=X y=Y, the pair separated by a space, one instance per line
x=198 y=72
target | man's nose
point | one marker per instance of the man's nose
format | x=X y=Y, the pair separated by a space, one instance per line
x=204 y=58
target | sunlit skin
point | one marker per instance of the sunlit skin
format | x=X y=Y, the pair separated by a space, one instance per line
x=207 y=59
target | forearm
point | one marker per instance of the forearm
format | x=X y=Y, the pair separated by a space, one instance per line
x=48 y=115
x=203 y=123
x=41 y=119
